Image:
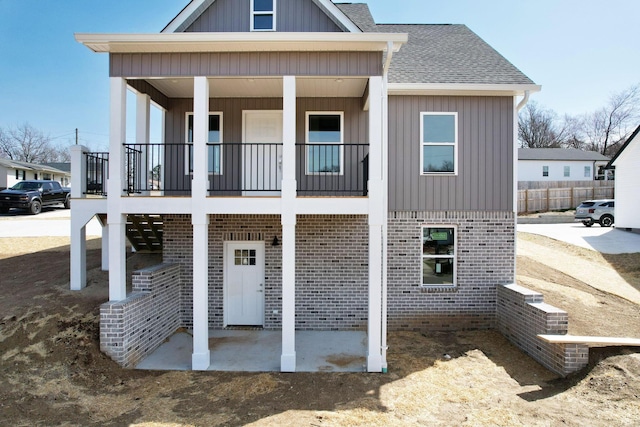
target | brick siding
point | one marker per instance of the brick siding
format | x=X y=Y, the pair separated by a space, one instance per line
x=485 y=259
x=523 y=315
x=133 y=328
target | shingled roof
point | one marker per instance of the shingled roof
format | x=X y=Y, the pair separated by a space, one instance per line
x=565 y=154
x=440 y=53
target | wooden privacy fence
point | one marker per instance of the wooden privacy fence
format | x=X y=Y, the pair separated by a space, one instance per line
x=552 y=199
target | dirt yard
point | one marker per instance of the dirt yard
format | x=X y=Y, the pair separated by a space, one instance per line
x=52 y=372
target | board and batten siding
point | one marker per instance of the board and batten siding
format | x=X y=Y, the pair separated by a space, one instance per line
x=485 y=155
x=221 y=64
x=291 y=16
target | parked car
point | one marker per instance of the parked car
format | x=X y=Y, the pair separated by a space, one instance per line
x=33 y=195
x=591 y=211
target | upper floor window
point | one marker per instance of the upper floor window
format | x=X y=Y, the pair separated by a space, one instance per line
x=325 y=132
x=545 y=171
x=263 y=15
x=567 y=171
x=439 y=143
x=214 y=143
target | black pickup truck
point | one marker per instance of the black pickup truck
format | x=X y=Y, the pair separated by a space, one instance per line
x=33 y=195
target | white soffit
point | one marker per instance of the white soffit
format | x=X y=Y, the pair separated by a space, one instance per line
x=461 y=89
x=240 y=42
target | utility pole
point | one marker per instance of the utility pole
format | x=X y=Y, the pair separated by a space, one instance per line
x=76 y=136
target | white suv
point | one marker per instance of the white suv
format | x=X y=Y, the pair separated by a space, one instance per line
x=592 y=211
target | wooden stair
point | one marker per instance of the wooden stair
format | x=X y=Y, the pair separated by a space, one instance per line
x=145 y=232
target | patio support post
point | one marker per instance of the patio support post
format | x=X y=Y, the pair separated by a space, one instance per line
x=78 y=253
x=201 y=357
x=288 y=218
x=376 y=218
x=116 y=218
x=105 y=247
x=143 y=112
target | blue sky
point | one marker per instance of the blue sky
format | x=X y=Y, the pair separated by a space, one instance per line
x=580 y=51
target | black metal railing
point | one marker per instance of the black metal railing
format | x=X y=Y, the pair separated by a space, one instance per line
x=97 y=166
x=337 y=170
x=158 y=169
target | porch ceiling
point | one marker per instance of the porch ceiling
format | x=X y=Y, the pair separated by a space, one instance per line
x=250 y=87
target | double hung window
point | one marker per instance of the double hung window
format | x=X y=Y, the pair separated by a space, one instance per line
x=263 y=15
x=439 y=256
x=439 y=143
x=214 y=143
x=325 y=131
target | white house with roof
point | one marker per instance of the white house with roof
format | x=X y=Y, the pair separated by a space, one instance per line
x=12 y=172
x=627 y=185
x=318 y=172
x=559 y=164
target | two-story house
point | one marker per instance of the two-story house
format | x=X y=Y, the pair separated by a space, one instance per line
x=318 y=171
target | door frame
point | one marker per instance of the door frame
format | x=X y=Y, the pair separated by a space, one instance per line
x=260 y=247
x=244 y=140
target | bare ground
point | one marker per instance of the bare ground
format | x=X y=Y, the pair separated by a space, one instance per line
x=52 y=372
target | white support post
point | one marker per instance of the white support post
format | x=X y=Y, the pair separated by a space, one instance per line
x=201 y=357
x=376 y=219
x=105 y=247
x=143 y=112
x=288 y=218
x=116 y=218
x=78 y=171
x=78 y=253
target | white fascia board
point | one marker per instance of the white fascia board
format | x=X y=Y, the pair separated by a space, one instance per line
x=240 y=42
x=334 y=11
x=461 y=89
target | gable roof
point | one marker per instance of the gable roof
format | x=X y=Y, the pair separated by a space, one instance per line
x=15 y=164
x=624 y=146
x=195 y=8
x=360 y=15
x=571 y=154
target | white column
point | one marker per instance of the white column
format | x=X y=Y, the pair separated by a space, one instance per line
x=78 y=172
x=105 y=247
x=201 y=357
x=78 y=253
x=143 y=112
x=116 y=218
x=376 y=220
x=288 y=218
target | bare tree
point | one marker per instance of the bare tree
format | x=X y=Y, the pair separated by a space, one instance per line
x=607 y=128
x=27 y=144
x=538 y=128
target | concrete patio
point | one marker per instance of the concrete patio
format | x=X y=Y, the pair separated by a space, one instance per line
x=259 y=351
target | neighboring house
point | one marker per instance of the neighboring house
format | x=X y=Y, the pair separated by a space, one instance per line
x=559 y=164
x=319 y=171
x=64 y=167
x=12 y=171
x=627 y=186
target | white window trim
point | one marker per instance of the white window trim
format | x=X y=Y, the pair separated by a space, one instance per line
x=307 y=143
x=454 y=257
x=187 y=144
x=271 y=12
x=455 y=143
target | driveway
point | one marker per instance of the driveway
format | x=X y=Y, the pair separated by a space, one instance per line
x=601 y=239
x=51 y=222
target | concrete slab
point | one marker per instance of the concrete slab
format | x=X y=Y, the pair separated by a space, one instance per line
x=601 y=239
x=259 y=351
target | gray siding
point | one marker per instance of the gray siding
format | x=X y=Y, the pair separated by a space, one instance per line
x=144 y=87
x=291 y=16
x=245 y=64
x=485 y=155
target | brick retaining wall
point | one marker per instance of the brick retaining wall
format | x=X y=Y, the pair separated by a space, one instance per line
x=133 y=328
x=523 y=315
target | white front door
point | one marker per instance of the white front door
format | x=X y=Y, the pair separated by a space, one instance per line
x=262 y=154
x=244 y=283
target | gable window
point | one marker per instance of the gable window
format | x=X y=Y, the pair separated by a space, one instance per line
x=545 y=171
x=439 y=256
x=263 y=15
x=214 y=143
x=439 y=143
x=325 y=136
x=567 y=171
x=587 y=171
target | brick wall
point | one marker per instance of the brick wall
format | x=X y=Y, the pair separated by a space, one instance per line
x=522 y=315
x=133 y=328
x=485 y=259
x=331 y=267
